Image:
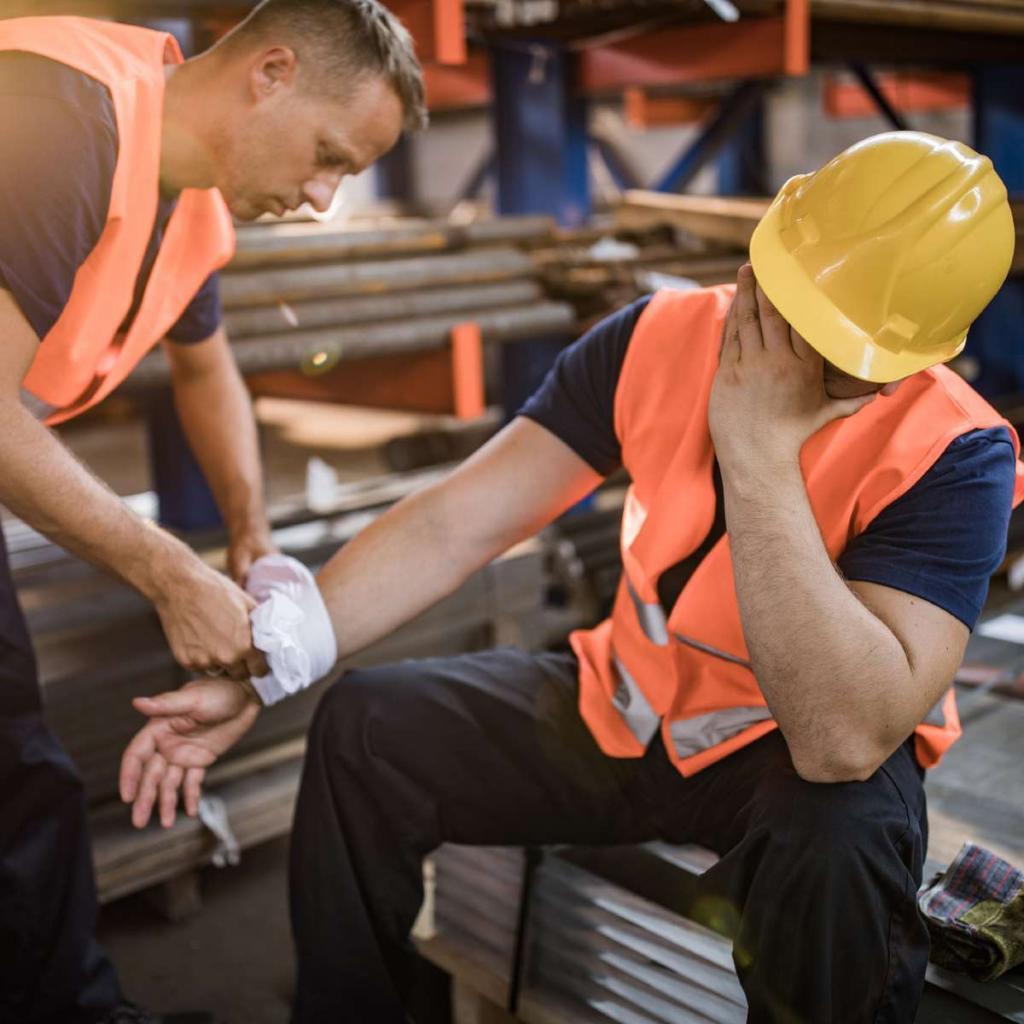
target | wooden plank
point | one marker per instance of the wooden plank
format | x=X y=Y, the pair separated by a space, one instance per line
x=717 y=219
x=941 y=14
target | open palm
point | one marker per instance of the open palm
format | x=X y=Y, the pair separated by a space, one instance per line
x=188 y=730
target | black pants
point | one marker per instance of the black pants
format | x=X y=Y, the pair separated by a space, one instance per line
x=490 y=749
x=51 y=970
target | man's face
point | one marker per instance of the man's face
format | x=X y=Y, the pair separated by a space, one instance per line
x=291 y=144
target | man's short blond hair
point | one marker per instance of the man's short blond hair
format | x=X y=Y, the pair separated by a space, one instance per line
x=343 y=41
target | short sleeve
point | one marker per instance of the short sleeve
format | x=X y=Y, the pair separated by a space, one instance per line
x=944 y=538
x=576 y=401
x=56 y=175
x=202 y=316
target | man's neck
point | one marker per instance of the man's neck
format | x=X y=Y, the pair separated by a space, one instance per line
x=184 y=156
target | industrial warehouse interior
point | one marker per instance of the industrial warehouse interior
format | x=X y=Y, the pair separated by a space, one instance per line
x=513 y=511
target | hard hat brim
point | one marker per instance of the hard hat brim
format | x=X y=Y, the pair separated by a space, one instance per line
x=816 y=318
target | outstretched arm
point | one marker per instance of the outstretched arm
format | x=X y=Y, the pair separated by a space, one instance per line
x=415 y=554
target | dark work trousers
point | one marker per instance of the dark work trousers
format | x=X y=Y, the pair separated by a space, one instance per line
x=490 y=749
x=51 y=970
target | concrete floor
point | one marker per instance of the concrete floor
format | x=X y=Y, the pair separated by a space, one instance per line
x=234 y=959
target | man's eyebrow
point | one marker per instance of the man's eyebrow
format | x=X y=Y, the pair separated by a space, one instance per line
x=339 y=152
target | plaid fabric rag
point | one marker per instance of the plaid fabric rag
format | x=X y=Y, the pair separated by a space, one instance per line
x=975 y=914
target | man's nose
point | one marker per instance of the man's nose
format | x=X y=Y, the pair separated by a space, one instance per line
x=319 y=191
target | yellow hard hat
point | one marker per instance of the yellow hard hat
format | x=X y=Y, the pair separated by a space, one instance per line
x=884 y=257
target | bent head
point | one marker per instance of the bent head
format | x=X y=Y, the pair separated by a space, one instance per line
x=316 y=90
x=884 y=257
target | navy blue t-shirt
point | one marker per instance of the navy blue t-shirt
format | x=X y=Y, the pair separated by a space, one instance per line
x=59 y=151
x=941 y=541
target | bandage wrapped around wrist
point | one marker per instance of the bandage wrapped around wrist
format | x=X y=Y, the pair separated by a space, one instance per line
x=290 y=626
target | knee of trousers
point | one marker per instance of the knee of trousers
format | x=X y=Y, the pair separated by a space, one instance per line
x=361 y=699
x=840 y=840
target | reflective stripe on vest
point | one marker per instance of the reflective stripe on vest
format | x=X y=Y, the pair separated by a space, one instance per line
x=655 y=626
x=650 y=616
x=695 y=735
x=630 y=702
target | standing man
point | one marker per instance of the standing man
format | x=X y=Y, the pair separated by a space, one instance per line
x=816 y=506
x=121 y=169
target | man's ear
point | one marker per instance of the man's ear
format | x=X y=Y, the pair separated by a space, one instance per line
x=890 y=389
x=273 y=68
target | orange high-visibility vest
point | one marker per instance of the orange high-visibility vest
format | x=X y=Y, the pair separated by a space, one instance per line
x=689 y=673
x=86 y=355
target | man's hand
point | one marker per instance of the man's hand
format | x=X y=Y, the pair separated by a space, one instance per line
x=206 y=621
x=245 y=546
x=769 y=393
x=189 y=729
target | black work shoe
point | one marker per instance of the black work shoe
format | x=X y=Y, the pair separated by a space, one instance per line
x=129 y=1013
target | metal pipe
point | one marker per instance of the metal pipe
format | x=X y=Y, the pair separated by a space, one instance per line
x=319 y=350
x=293 y=284
x=245 y=323
x=262 y=246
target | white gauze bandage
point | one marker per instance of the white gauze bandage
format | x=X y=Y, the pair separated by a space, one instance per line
x=290 y=626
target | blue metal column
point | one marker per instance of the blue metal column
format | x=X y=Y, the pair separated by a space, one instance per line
x=540 y=128
x=742 y=164
x=732 y=116
x=395 y=174
x=996 y=340
x=184 y=499
x=540 y=133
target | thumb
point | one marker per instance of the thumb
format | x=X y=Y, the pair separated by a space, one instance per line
x=177 y=702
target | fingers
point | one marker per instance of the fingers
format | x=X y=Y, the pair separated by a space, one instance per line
x=193 y=790
x=146 y=797
x=774 y=327
x=163 y=705
x=238 y=672
x=730 y=352
x=136 y=754
x=256 y=665
x=748 y=318
x=169 y=785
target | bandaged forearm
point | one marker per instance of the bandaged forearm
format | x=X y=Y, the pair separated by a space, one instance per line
x=290 y=626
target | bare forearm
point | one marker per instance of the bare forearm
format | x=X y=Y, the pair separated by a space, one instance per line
x=216 y=414
x=394 y=569
x=833 y=674
x=42 y=483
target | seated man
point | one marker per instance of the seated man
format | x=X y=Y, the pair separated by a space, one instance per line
x=815 y=509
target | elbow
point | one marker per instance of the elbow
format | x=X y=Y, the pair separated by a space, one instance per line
x=833 y=761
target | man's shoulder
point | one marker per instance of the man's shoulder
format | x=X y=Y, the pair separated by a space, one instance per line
x=39 y=83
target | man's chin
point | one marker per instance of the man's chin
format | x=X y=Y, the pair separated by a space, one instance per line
x=242 y=209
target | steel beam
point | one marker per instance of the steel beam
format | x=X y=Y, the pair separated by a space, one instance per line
x=996 y=341
x=881 y=101
x=732 y=113
x=540 y=126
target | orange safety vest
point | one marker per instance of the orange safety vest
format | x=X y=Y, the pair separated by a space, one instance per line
x=689 y=673
x=85 y=355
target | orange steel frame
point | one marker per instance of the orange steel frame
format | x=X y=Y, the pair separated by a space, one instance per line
x=907 y=92
x=749 y=48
